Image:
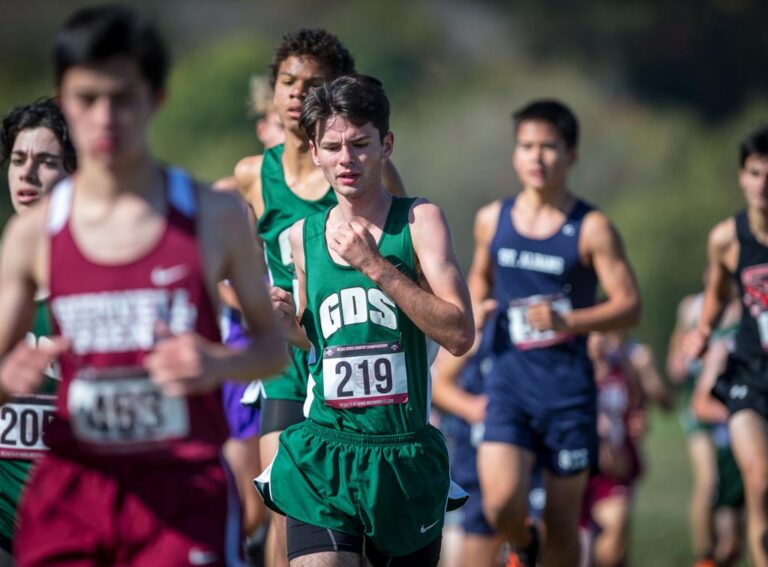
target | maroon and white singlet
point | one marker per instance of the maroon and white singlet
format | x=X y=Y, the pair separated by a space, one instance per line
x=110 y=313
x=133 y=476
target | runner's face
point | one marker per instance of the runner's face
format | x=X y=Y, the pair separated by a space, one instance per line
x=351 y=156
x=296 y=76
x=540 y=157
x=753 y=178
x=35 y=166
x=108 y=106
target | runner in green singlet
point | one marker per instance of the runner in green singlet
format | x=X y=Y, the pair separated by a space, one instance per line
x=35 y=143
x=378 y=280
x=283 y=186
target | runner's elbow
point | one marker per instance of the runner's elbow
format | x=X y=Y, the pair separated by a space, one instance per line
x=634 y=311
x=462 y=340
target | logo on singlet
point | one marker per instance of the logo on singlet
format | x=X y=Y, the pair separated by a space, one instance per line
x=533 y=261
x=356 y=305
x=122 y=321
x=162 y=277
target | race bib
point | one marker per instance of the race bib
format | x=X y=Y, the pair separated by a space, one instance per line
x=125 y=413
x=356 y=376
x=762 y=327
x=22 y=423
x=524 y=336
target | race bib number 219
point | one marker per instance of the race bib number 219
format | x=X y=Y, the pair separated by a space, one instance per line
x=365 y=375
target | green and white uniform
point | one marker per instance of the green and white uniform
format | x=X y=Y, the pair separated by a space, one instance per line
x=366 y=462
x=21 y=431
x=282 y=208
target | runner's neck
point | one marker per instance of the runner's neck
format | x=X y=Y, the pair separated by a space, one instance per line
x=142 y=177
x=370 y=208
x=758 y=223
x=535 y=200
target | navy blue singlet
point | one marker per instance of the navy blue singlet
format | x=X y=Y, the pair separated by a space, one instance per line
x=546 y=368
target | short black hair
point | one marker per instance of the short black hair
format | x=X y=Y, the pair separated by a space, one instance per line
x=553 y=112
x=96 y=33
x=358 y=98
x=43 y=113
x=755 y=144
x=317 y=43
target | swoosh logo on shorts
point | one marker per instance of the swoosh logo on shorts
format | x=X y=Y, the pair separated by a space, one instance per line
x=202 y=557
x=432 y=525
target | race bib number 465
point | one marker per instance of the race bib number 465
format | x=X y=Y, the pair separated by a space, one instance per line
x=524 y=336
x=366 y=375
x=125 y=413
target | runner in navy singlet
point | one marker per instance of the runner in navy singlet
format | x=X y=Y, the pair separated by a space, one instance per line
x=738 y=250
x=458 y=389
x=541 y=255
x=131 y=254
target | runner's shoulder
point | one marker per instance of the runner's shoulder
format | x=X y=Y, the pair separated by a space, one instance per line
x=29 y=228
x=220 y=206
x=723 y=235
x=486 y=220
x=248 y=174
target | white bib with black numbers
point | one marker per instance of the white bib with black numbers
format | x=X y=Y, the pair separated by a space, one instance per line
x=524 y=336
x=366 y=375
x=125 y=411
x=22 y=423
x=762 y=327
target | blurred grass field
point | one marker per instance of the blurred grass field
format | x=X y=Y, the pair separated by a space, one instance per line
x=659 y=536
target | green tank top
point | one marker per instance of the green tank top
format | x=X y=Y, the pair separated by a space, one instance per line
x=370 y=374
x=21 y=426
x=282 y=208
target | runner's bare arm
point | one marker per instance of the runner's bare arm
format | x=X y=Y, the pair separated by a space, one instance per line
x=248 y=178
x=722 y=255
x=444 y=313
x=601 y=246
x=392 y=181
x=446 y=393
x=22 y=366
x=705 y=406
x=648 y=377
x=480 y=278
x=187 y=363
x=229 y=184
x=296 y=238
x=677 y=360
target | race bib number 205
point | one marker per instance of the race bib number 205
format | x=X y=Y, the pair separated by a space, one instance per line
x=125 y=413
x=22 y=423
x=365 y=375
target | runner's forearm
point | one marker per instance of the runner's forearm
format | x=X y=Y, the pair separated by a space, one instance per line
x=446 y=323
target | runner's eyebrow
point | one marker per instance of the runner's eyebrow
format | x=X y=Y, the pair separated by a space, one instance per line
x=38 y=154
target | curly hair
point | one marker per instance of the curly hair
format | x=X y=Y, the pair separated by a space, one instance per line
x=43 y=113
x=317 y=43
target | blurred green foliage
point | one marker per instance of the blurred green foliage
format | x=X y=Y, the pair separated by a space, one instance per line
x=661 y=160
x=664 y=92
